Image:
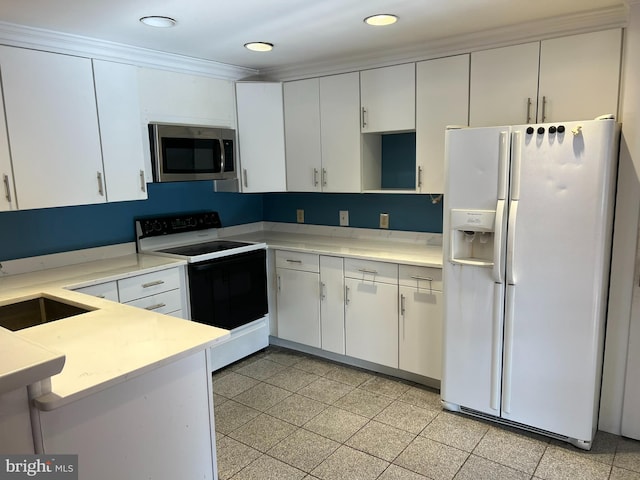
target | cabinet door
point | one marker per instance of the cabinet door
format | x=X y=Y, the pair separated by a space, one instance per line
x=8 y=193
x=53 y=128
x=340 y=133
x=421 y=331
x=120 y=130
x=298 y=306
x=332 y=303
x=261 y=137
x=579 y=76
x=371 y=321
x=181 y=98
x=388 y=98
x=504 y=85
x=302 y=135
x=442 y=98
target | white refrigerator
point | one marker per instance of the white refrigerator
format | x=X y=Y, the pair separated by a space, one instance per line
x=528 y=213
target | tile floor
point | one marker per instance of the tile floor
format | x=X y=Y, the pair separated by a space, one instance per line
x=284 y=415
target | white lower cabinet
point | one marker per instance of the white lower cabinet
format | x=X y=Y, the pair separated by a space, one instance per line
x=332 y=304
x=420 y=332
x=298 y=297
x=162 y=291
x=371 y=311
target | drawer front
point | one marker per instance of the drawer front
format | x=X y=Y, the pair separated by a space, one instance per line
x=371 y=271
x=306 y=262
x=148 y=284
x=108 y=290
x=423 y=278
x=165 y=302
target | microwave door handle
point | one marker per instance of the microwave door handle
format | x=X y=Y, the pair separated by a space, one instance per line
x=222 y=159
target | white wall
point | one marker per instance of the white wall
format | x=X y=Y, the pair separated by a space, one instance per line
x=625 y=233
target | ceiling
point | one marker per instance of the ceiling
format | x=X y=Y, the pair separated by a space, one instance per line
x=304 y=32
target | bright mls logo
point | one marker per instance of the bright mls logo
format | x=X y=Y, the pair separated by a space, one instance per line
x=51 y=467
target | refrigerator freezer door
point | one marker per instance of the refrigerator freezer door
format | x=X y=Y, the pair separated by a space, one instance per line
x=560 y=253
x=473 y=301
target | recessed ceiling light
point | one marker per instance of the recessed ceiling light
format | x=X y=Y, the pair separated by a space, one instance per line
x=157 y=21
x=381 y=20
x=259 y=46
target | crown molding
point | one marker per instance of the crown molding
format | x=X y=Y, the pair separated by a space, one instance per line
x=41 y=39
x=602 y=19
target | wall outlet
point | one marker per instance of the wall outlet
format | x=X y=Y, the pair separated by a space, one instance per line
x=300 y=215
x=344 y=218
x=384 y=220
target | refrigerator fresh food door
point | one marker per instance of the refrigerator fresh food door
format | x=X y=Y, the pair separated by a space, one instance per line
x=476 y=181
x=557 y=268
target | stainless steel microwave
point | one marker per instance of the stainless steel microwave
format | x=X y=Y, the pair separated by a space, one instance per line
x=190 y=152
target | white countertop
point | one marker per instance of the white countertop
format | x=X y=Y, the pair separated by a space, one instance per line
x=405 y=252
x=105 y=346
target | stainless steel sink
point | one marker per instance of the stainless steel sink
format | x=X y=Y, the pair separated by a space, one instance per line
x=36 y=311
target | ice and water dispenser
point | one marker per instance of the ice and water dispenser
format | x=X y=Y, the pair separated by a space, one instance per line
x=472 y=237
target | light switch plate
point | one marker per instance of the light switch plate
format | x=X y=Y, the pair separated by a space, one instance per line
x=384 y=220
x=344 y=218
x=300 y=215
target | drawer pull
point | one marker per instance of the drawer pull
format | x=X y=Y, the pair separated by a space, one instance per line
x=294 y=261
x=152 y=284
x=156 y=306
x=364 y=270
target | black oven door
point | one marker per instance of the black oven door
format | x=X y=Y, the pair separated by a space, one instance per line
x=229 y=292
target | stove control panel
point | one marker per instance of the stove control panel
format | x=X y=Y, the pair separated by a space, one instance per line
x=168 y=224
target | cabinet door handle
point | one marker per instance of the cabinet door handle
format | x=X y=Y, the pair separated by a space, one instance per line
x=152 y=284
x=315 y=177
x=544 y=109
x=346 y=295
x=324 y=177
x=323 y=289
x=156 y=306
x=278 y=283
x=7 y=190
x=245 y=177
x=364 y=119
x=289 y=260
x=528 y=110
x=143 y=183
x=100 y=186
x=419 y=177
x=402 y=310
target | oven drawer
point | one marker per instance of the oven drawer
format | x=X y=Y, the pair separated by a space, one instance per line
x=306 y=262
x=164 y=302
x=423 y=278
x=371 y=271
x=148 y=284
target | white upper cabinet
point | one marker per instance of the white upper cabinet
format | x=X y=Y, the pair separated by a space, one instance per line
x=504 y=85
x=173 y=97
x=322 y=134
x=121 y=130
x=442 y=98
x=261 y=136
x=302 y=135
x=340 y=133
x=579 y=76
x=52 y=123
x=8 y=193
x=388 y=99
x=562 y=79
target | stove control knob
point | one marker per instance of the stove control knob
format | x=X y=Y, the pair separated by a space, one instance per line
x=552 y=129
x=157 y=226
x=529 y=130
x=540 y=130
x=560 y=128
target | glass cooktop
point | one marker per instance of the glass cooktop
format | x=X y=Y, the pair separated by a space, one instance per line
x=204 y=248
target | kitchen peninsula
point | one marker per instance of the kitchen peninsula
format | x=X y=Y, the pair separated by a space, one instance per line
x=133 y=398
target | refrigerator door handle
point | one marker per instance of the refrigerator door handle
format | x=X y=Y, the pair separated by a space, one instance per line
x=508 y=350
x=498 y=243
x=503 y=163
x=496 y=344
x=511 y=240
x=516 y=156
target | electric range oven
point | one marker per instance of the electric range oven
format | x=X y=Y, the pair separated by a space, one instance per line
x=227 y=280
